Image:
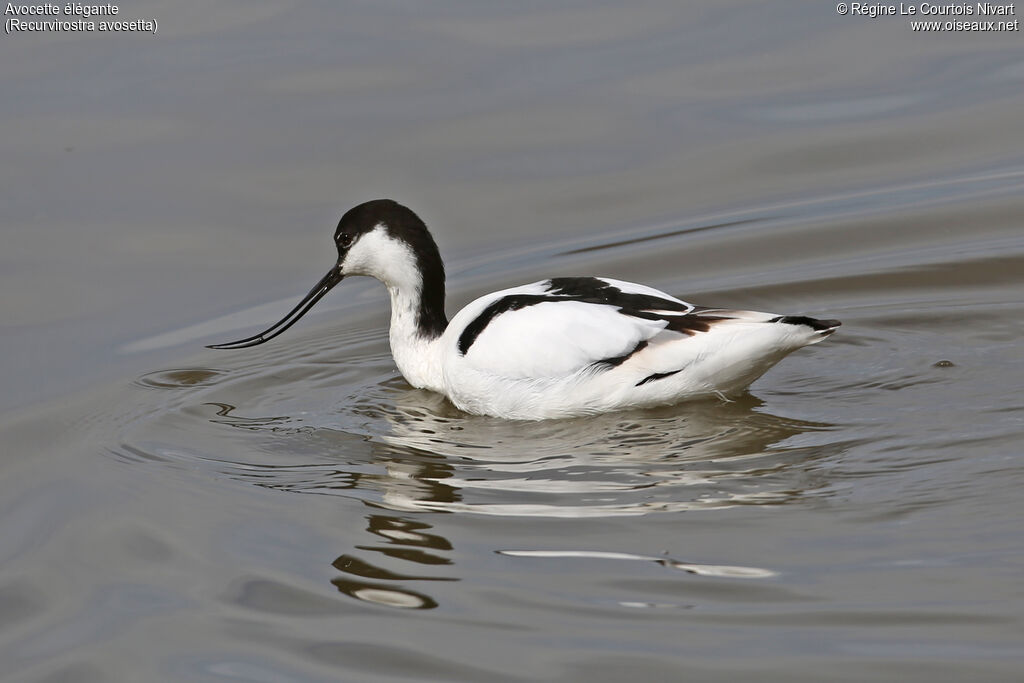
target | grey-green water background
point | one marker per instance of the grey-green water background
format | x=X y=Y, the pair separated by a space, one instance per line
x=296 y=512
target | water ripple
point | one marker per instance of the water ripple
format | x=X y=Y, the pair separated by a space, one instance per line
x=295 y=421
x=722 y=571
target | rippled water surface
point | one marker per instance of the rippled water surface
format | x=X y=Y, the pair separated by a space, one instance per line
x=296 y=512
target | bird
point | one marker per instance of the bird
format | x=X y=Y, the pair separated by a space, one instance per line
x=558 y=348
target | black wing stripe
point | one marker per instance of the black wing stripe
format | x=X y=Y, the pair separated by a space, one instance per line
x=588 y=290
x=692 y=324
x=812 y=323
x=656 y=376
x=512 y=302
x=594 y=290
x=616 y=361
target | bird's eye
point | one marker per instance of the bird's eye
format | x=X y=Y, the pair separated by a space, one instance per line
x=345 y=240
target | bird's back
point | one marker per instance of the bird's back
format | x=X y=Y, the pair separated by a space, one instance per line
x=577 y=346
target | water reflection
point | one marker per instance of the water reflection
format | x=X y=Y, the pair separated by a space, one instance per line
x=703 y=455
x=406 y=540
x=410 y=450
x=725 y=571
x=408 y=455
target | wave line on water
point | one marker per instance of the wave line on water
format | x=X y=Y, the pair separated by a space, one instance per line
x=718 y=570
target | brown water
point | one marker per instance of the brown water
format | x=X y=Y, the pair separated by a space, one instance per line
x=295 y=512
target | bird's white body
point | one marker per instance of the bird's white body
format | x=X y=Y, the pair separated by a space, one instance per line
x=556 y=348
x=545 y=361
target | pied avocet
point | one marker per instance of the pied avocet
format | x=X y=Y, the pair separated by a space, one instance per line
x=562 y=347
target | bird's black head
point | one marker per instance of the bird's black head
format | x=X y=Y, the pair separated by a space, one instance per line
x=398 y=221
x=382 y=239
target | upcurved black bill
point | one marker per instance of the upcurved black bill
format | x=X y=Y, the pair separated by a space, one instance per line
x=332 y=278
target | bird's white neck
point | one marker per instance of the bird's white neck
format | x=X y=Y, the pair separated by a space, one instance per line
x=417 y=355
x=412 y=271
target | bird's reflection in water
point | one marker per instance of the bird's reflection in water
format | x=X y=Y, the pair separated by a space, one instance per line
x=702 y=455
x=411 y=452
x=406 y=540
x=435 y=459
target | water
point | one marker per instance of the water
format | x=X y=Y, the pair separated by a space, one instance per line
x=296 y=512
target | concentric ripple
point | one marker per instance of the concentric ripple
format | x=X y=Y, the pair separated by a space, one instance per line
x=293 y=418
